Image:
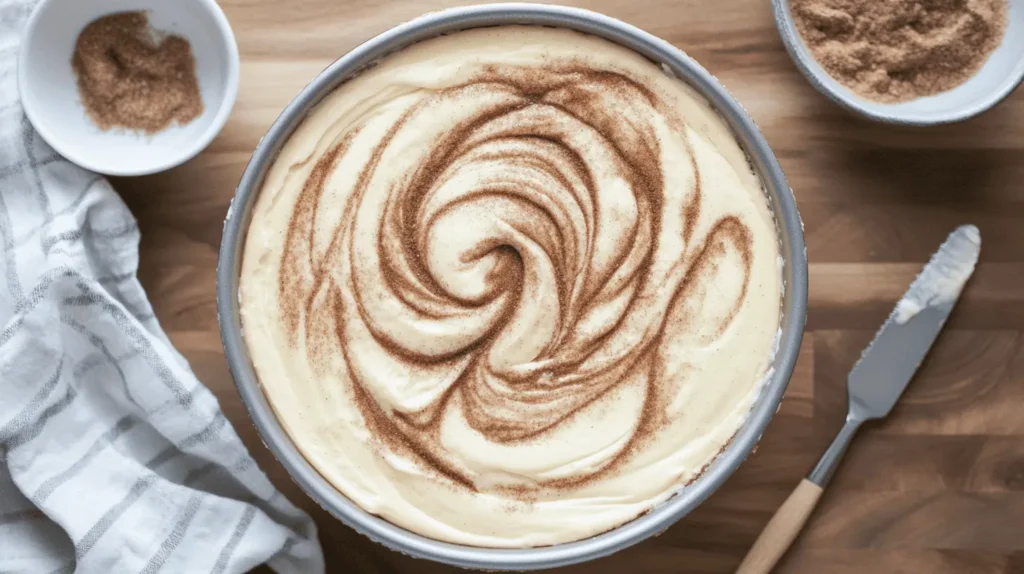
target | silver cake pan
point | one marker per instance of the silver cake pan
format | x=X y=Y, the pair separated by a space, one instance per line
x=794 y=269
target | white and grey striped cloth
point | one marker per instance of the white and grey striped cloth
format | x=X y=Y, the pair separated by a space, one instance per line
x=113 y=457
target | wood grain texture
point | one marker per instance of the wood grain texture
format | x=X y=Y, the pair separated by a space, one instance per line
x=938 y=487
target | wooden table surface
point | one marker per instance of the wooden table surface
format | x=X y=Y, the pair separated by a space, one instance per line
x=936 y=488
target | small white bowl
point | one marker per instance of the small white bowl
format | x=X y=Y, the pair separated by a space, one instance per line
x=49 y=93
x=997 y=78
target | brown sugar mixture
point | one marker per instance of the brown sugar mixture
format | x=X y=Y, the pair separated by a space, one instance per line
x=898 y=50
x=133 y=77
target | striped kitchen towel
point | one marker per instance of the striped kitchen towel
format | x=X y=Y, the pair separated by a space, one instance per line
x=113 y=457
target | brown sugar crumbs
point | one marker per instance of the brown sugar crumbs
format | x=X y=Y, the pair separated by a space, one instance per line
x=899 y=50
x=133 y=77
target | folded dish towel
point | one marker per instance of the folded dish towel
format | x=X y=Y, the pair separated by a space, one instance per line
x=113 y=457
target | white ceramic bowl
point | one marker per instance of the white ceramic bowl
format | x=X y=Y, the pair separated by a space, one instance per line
x=996 y=79
x=50 y=96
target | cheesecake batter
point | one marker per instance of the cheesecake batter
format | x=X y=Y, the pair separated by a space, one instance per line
x=511 y=287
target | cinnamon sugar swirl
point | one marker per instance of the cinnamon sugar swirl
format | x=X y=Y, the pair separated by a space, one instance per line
x=511 y=287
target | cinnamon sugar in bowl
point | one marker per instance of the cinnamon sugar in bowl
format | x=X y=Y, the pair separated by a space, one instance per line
x=925 y=97
x=54 y=104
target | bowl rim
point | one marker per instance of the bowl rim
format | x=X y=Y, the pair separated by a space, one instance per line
x=230 y=48
x=661 y=517
x=817 y=76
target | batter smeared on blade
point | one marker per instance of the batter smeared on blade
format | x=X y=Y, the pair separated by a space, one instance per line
x=944 y=277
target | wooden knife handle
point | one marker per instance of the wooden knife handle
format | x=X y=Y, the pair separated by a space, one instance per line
x=781 y=530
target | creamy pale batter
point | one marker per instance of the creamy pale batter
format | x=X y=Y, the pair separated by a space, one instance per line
x=511 y=287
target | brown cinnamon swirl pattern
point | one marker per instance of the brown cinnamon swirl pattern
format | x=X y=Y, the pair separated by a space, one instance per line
x=513 y=277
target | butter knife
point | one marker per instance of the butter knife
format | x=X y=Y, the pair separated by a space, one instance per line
x=877 y=380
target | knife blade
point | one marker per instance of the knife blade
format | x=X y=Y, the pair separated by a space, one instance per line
x=889 y=362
